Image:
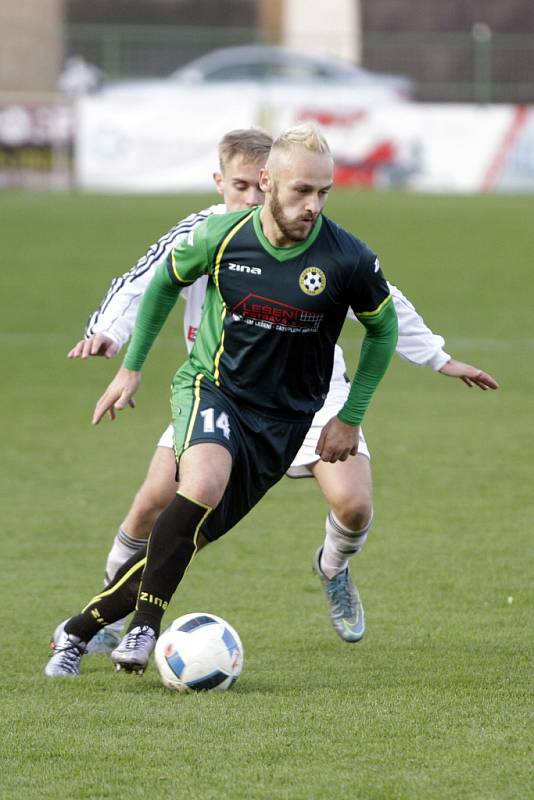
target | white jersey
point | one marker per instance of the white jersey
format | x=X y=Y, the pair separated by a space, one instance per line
x=117 y=313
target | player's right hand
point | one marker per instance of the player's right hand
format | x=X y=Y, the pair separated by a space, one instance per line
x=338 y=441
x=97 y=345
x=118 y=395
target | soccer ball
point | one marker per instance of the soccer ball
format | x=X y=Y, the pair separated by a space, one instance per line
x=198 y=652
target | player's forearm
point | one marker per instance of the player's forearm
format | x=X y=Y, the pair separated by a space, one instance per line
x=157 y=303
x=377 y=350
x=116 y=315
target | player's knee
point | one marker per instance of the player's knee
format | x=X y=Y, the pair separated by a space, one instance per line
x=206 y=489
x=354 y=511
x=146 y=508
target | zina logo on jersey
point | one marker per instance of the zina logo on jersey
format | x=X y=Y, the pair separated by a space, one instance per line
x=312 y=280
x=244 y=268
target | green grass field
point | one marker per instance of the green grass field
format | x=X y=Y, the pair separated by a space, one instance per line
x=436 y=702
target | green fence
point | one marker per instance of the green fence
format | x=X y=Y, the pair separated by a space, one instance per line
x=477 y=66
x=133 y=51
x=473 y=66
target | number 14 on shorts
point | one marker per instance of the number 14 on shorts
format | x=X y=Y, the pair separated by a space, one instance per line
x=210 y=423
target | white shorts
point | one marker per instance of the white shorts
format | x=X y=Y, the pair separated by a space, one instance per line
x=306 y=456
x=167 y=438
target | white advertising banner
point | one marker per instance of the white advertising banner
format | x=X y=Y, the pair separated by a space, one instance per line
x=154 y=146
x=437 y=148
x=168 y=142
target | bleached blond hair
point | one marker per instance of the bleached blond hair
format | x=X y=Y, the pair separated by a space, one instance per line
x=307 y=135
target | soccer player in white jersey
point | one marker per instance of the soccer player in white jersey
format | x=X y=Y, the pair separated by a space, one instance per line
x=346 y=485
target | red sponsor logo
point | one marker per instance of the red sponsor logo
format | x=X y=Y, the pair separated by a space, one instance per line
x=192 y=333
x=263 y=309
x=338 y=118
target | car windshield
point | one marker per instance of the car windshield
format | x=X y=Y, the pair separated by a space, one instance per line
x=268 y=70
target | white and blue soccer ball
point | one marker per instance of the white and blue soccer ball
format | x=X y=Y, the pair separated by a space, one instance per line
x=198 y=652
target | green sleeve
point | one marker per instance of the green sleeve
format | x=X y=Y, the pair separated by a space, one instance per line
x=377 y=350
x=158 y=300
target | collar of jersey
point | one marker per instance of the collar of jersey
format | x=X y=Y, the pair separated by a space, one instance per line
x=285 y=253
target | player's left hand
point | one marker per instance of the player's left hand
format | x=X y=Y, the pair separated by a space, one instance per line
x=118 y=395
x=338 y=441
x=471 y=376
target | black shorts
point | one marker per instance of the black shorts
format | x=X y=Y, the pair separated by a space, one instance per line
x=262 y=447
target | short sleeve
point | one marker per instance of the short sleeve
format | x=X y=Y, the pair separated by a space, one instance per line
x=368 y=288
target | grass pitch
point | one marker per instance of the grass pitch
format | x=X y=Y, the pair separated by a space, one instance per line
x=436 y=702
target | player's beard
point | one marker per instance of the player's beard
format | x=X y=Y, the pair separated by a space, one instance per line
x=293 y=230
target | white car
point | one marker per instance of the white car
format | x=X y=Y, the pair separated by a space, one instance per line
x=269 y=64
x=273 y=69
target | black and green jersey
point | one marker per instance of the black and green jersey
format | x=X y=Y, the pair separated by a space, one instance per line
x=272 y=315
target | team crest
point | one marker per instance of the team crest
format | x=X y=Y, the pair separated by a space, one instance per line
x=312 y=280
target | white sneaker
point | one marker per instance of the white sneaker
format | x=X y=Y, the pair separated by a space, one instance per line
x=67 y=652
x=135 y=649
x=344 y=603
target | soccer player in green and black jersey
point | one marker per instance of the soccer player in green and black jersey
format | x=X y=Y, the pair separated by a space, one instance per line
x=281 y=279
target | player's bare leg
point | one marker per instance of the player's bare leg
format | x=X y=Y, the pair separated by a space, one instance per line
x=347 y=486
x=155 y=494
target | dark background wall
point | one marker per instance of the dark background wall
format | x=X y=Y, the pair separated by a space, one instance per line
x=442 y=55
x=503 y=16
x=239 y=13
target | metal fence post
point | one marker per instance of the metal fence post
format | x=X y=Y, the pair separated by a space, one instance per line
x=111 y=50
x=482 y=38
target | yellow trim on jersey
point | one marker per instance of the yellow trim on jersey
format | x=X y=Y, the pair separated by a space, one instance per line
x=377 y=311
x=140 y=564
x=218 y=260
x=220 y=351
x=177 y=274
x=196 y=404
x=224 y=245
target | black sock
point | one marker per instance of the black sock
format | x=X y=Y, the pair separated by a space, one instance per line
x=172 y=546
x=114 y=602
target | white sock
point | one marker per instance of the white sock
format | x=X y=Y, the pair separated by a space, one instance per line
x=123 y=548
x=340 y=544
